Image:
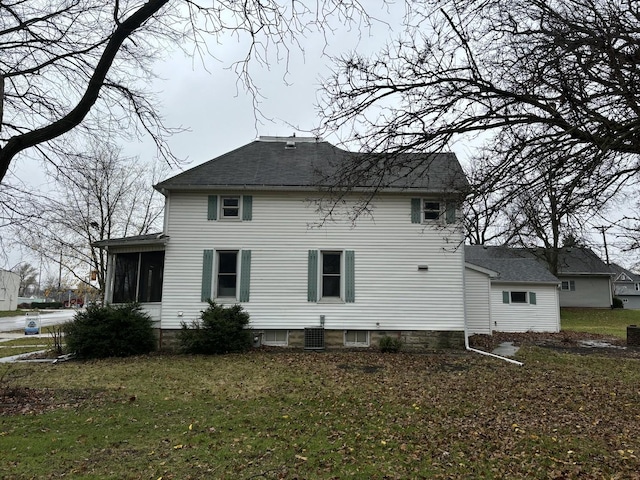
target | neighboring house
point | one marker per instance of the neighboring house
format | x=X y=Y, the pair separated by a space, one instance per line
x=509 y=294
x=585 y=280
x=626 y=286
x=9 y=286
x=247 y=228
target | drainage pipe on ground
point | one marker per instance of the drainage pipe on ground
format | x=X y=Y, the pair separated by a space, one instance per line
x=466 y=333
x=481 y=352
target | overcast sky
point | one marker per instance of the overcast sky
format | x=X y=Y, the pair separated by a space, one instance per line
x=218 y=112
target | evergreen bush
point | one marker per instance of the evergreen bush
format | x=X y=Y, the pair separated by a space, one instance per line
x=390 y=344
x=617 y=303
x=219 y=330
x=110 y=331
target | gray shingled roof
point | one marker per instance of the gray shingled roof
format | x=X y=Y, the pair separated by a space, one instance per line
x=571 y=260
x=151 y=238
x=290 y=162
x=511 y=269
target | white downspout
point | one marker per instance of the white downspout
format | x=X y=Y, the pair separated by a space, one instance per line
x=466 y=333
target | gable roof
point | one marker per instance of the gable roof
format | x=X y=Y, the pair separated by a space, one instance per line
x=307 y=163
x=571 y=260
x=624 y=275
x=512 y=269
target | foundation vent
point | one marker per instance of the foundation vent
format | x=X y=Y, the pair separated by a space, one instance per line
x=314 y=338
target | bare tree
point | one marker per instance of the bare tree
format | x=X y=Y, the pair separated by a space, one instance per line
x=28 y=278
x=62 y=59
x=531 y=76
x=96 y=196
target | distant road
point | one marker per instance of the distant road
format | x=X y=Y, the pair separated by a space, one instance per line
x=8 y=324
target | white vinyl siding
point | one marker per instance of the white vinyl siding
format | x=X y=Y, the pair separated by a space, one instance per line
x=477 y=299
x=541 y=316
x=391 y=293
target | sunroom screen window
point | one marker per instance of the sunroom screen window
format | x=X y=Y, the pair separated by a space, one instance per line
x=126 y=277
x=151 y=269
x=331 y=274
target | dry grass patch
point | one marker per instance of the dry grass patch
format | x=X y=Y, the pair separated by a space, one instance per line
x=329 y=415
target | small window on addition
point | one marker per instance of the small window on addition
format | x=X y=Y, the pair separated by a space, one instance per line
x=230 y=207
x=518 y=297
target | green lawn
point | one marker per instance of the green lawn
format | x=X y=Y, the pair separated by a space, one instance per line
x=295 y=415
x=10 y=313
x=606 y=321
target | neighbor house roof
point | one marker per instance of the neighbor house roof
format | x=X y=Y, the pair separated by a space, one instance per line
x=571 y=260
x=625 y=281
x=309 y=163
x=511 y=269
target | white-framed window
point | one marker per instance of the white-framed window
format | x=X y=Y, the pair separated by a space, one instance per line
x=226 y=273
x=431 y=210
x=518 y=297
x=331 y=284
x=356 y=338
x=230 y=208
x=637 y=287
x=569 y=285
x=331 y=276
x=276 y=337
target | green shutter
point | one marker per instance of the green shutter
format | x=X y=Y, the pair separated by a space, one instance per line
x=312 y=280
x=349 y=277
x=207 y=275
x=532 y=298
x=505 y=297
x=247 y=207
x=212 y=207
x=245 y=275
x=451 y=212
x=415 y=210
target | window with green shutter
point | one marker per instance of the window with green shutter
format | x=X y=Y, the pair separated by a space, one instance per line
x=415 y=210
x=245 y=275
x=230 y=207
x=312 y=276
x=207 y=275
x=331 y=275
x=212 y=207
x=247 y=208
x=349 y=277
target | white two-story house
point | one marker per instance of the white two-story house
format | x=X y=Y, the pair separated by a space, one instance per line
x=246 y=228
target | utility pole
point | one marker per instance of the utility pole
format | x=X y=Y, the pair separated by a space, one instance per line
x=603 y=229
